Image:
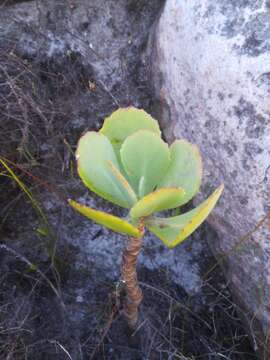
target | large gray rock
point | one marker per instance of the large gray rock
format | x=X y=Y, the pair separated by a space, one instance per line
x=211 y=71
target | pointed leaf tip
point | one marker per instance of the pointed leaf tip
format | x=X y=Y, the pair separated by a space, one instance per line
x=172 y=231
x=110 y=221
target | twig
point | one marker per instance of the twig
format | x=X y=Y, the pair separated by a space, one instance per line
x=113 y=313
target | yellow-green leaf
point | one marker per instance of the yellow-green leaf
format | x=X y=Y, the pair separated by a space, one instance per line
x=145 y=157
x=158 y=200
x=110 y=221
x=99 y=169
x=172 y=231
x=185 y=169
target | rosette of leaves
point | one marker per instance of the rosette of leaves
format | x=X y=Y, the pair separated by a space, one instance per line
x=128 y=164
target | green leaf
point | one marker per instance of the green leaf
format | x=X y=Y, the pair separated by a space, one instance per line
x=145 y=157
x=110 y=221
x=126 y=121
x=43 y=231
x=32 y=268
x=159 y=200
x=172 y=231
x=99 y=170
x=185 y=170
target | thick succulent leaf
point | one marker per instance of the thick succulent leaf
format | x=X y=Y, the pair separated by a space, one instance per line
x=158 y=200
x=99 y=170
x=124 y=122
x=126 y=188
x=172 y=231
x=185 y=170
x=110 y=221
x=145 y=157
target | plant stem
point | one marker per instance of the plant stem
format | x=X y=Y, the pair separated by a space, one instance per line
x=129 y=276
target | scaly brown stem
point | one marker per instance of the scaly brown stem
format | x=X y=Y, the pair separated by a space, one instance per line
x=129 y=277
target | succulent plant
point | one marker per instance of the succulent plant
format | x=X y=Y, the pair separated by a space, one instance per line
x=128 y=164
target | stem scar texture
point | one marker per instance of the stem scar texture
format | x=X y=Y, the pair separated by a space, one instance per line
x=129 y=276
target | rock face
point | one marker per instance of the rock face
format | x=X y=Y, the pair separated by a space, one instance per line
x=211 y=72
